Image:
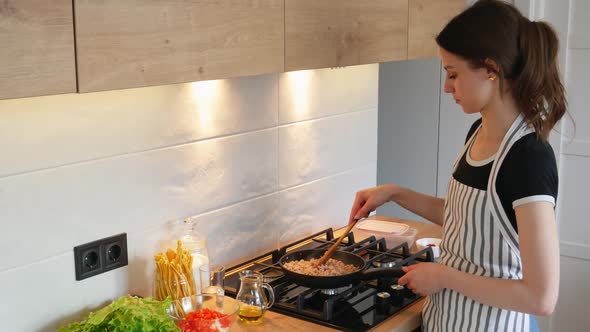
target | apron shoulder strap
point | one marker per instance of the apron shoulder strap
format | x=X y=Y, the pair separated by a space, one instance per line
x=518 y=129
x=467 y=144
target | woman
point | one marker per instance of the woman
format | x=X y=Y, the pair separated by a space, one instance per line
x=499 y=262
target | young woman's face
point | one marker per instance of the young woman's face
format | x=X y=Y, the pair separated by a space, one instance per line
x=471 y=88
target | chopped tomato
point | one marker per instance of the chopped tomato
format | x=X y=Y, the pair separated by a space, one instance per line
x=204 y=320
x=431 y=245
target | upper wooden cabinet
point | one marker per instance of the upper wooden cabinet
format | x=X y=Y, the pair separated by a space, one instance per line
x=37 y=48
x=332 y=33
x=132 y=43
x=427 y=18
x=135 y=43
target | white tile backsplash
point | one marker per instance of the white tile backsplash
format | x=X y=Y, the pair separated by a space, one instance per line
x=310 y=94
x=85 y=166
x=324 y=203
x=234 y=233
x=313 y=149
x=45 y=295
x=243 y=230
x=48 y=131
x=55 y=210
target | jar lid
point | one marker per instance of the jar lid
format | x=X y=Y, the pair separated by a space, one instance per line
x=190 y=237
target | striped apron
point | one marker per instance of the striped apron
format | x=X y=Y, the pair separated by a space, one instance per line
x=478 y=239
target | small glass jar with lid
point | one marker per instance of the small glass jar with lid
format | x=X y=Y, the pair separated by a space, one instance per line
x=181 y=254
x=196 y=244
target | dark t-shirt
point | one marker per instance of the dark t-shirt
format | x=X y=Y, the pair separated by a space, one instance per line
x=528 y=173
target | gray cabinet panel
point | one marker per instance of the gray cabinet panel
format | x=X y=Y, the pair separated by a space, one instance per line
x=408 y=128
x=453 y=127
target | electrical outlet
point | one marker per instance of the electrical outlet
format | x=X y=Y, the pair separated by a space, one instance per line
x=100 y=256
x=88 y=260
x=115 y=252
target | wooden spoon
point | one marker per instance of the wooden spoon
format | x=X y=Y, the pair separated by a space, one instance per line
x=333 y=248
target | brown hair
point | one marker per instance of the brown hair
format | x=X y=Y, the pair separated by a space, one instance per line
x=525 y=51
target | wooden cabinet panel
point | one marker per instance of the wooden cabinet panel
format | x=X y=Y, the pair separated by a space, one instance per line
x=427 y=18
x=332 y=33
x=133 y=43
x=37 y=48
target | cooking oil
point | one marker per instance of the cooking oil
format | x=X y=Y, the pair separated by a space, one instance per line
x=251 y=314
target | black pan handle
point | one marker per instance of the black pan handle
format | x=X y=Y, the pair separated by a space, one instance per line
x=392 y=272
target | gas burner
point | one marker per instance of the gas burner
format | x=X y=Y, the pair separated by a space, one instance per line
x=388 y=262
x=334 y=291
x=353 y=308
x=272 y=275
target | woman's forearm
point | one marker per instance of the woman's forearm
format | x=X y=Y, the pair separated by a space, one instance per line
x=515 y=295
x=426 y=206
x=537 y=291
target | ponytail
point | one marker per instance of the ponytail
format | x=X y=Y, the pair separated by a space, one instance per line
x=525 y=51
x=537 y=87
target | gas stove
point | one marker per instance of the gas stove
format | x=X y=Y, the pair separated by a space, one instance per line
x=357 y=307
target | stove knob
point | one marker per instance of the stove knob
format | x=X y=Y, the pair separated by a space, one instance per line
x=397 y=295
x=382 y=302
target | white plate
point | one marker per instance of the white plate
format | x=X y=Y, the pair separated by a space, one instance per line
x=382 y=226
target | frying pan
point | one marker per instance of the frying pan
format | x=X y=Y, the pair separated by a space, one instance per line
x=330 y=282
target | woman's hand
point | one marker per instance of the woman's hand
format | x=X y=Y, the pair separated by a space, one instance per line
x=366 y=201
x=423 y=278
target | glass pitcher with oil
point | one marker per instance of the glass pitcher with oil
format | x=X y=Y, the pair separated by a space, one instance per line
x=252 y=298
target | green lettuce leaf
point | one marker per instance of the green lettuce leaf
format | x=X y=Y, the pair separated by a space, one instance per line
x=127 y=314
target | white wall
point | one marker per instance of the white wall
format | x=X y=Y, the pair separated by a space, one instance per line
x=571 y=19
x=257 y=161
x=572 y=311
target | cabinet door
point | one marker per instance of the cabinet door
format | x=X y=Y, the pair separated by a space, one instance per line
x=427 y=18
x=333 y=33
x=134 y=43
x=37 y=52
x=409 y=93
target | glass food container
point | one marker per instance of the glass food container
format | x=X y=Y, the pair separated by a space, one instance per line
x=196 y=244
x=177 y=263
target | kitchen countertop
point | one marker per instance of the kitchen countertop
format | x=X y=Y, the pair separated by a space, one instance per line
x=406 y=320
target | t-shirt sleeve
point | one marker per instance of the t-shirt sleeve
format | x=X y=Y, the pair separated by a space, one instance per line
x=530 y=173
x=472 y=129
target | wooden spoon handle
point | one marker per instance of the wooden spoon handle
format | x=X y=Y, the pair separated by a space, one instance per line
x=333 y=248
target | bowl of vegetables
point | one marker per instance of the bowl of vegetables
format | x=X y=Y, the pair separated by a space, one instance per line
x=204 y=313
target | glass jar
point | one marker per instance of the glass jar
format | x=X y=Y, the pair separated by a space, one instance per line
x=196 y=244
x=174 y=285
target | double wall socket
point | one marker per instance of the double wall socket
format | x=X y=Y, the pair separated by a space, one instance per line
x=100 y=256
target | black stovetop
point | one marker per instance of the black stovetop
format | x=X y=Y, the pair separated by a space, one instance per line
x=353 y=308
